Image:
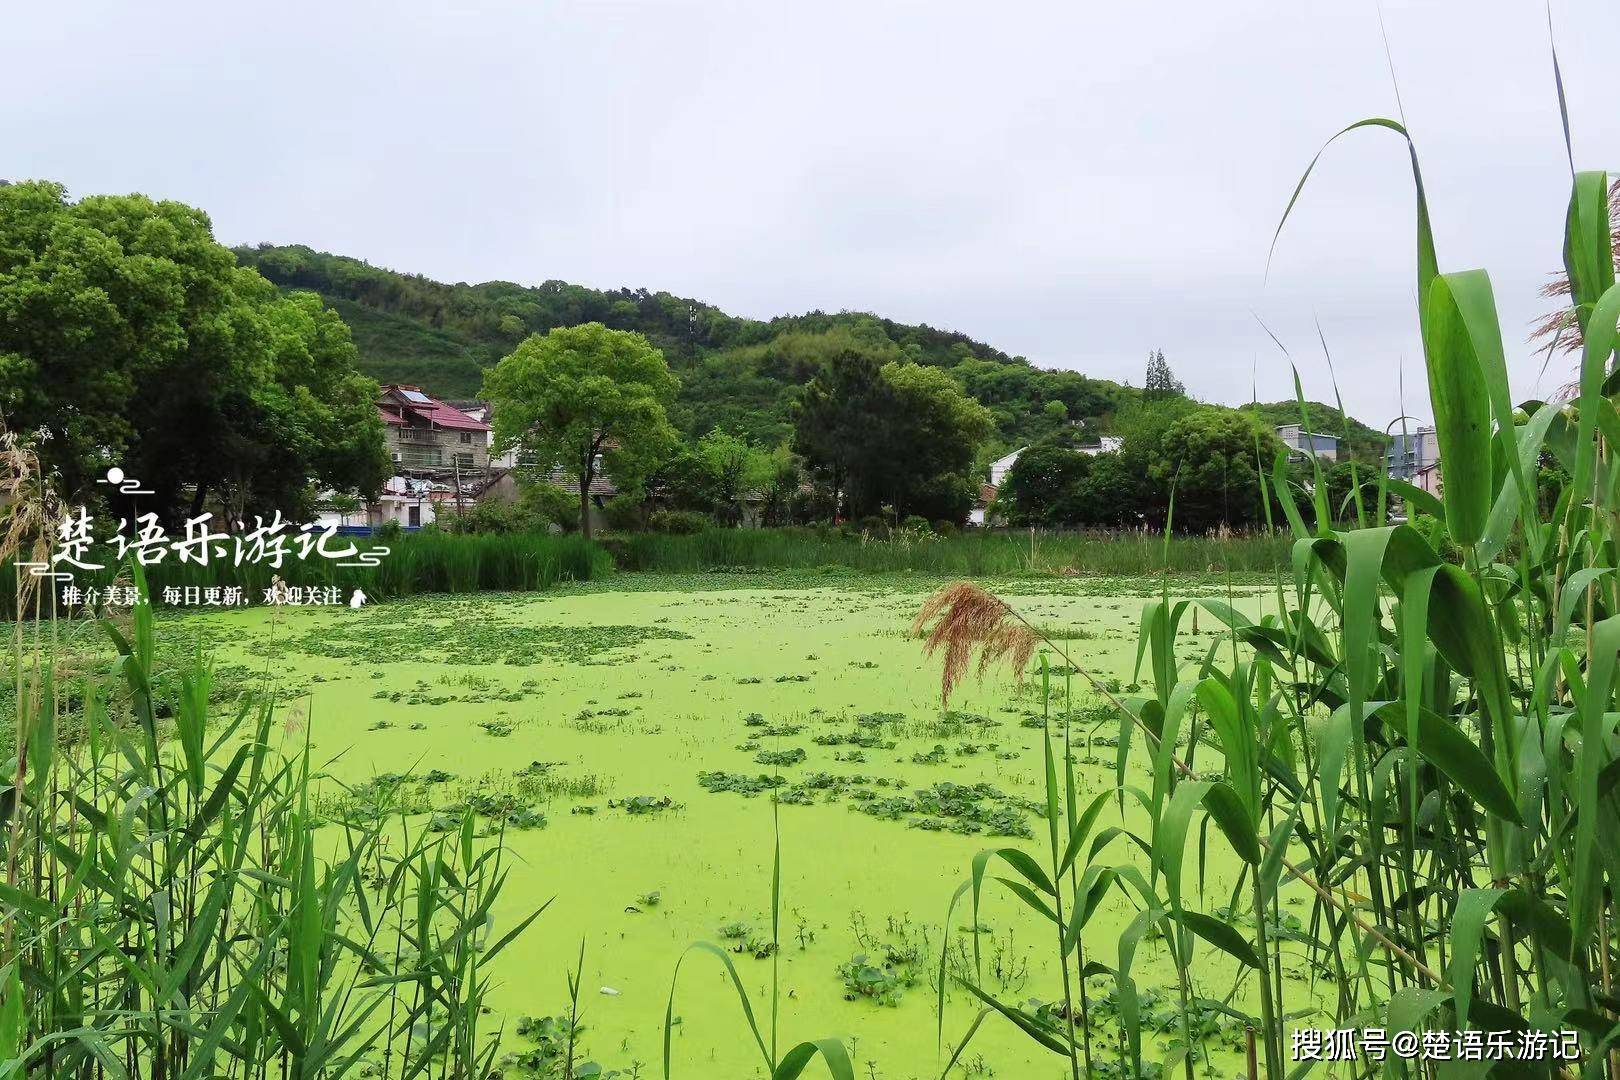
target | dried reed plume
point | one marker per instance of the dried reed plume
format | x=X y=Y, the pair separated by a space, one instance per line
x=1559 y=331
x=29 y=509
x=966 y=617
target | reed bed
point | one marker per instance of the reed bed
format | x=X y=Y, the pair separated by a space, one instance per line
x=1419 y=739
x=170 y=909
x=427 y=562
x=992 y=553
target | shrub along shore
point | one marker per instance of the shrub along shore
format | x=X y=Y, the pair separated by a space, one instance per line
x=438 y=562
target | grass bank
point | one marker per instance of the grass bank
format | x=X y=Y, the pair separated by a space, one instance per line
x=435 y=562
x=977 y=554
x=427 y=562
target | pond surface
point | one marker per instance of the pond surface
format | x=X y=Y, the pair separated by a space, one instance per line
x=638 y=722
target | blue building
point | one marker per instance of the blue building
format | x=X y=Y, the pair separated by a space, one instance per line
x=1302 y=443
x=1412 y=454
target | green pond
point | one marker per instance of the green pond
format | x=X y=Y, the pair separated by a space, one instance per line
x=594 y=705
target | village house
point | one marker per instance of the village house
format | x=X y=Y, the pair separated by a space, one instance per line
x=1412 y=454
x=481 y=411
x=427 y=435
x=1303 y=444
x=440 y=457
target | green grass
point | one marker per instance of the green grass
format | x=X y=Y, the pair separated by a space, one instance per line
x=172 y=911
x=416 y=563
x=970 y=554
x=437 y=562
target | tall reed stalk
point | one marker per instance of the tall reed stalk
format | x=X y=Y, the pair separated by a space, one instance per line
x=1419 y=737
x=171 y=911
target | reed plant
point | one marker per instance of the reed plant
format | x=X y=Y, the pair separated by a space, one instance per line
x=416 y=563
x=987 y=553
x=1418 y=737
x=170 y=909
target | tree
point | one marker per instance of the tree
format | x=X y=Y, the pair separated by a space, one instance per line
x=783 y=481
x=1112 y=495
x=736 y=468
x=1041 y=486
x=587 y=398
x=1161 y=381
x=1208 y=458
x=131 y=338
x=895 y=434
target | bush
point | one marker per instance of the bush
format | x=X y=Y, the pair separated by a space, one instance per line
x=624 y=513
x=680 y=522
x=488 y=516
x=547 y=504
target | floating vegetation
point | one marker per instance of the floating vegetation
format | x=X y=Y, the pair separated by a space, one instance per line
x=643 y=804
x=425 y=632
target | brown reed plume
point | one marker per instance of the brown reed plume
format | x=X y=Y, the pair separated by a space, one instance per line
x=29 y=509
x=965 y=618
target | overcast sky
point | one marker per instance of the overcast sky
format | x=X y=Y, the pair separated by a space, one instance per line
x=1077 y=183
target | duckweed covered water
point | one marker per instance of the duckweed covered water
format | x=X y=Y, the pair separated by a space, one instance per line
x=629 y=741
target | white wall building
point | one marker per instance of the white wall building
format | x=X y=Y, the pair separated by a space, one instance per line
x=1000 y=467
x=1302 y=443
x=1106 y=444
x=402 y=499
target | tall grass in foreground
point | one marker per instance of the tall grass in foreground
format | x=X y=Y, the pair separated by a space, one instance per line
x=1122 y=553
x=425 y=562
x=170 y=912
x=1420 y=737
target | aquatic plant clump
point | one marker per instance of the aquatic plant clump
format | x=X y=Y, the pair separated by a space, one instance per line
x=1416 y=740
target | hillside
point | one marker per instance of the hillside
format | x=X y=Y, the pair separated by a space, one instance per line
x=738 y=374
x=1363 y=442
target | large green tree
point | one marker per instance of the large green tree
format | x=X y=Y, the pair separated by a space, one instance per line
x=1053 y=485
x=1210 y=457
x=1041 y=486
x=1160 y=381
x=737 y=468
x=129 y=337
x=892 y=434
x=584 y=398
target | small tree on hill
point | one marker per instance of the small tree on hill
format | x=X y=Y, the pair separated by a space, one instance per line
x=1161 y=381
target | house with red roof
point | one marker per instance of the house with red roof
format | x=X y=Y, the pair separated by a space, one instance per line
x=428 y=436
x=440 y=455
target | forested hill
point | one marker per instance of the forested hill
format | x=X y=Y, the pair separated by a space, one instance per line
x=1363 y=442
x=738 y=374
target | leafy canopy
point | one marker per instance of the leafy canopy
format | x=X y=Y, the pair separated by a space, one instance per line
x=1209 y=457
x=134 y=339
x=892 y=434
x=581 y=394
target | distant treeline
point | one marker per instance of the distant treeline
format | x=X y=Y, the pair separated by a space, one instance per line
x=737 y=374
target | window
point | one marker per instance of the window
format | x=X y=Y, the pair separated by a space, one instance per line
x=422 y=455
x=416 y=397
x=466 y=437
x=464 y=461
